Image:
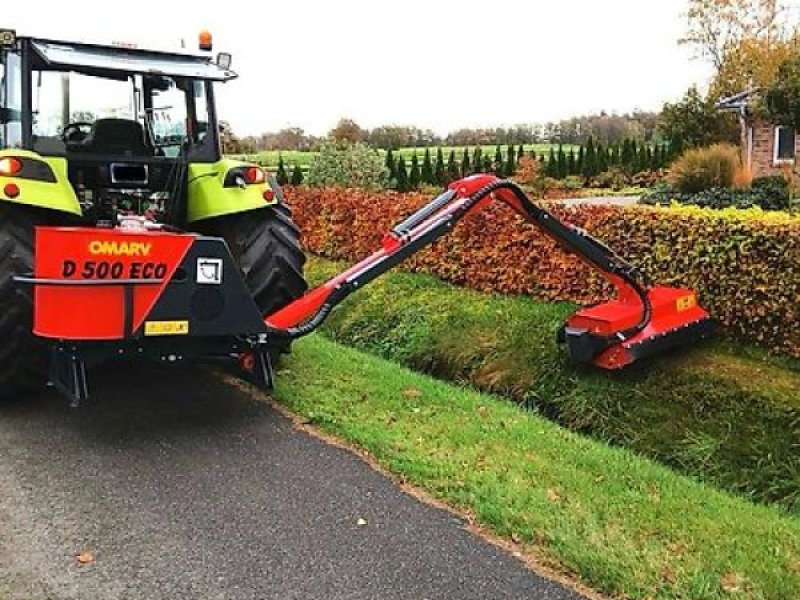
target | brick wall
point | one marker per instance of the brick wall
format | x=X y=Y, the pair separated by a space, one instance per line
x=762 y=153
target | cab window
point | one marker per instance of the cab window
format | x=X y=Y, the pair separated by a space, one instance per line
x=10 y=100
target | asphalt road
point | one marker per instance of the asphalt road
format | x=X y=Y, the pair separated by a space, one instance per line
x=179 y=486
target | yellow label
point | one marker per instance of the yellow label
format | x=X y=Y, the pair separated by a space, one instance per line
x=686 y=302
x=166 y=328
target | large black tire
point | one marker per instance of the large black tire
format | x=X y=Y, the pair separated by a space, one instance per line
x=23 y=359
x=266 y=245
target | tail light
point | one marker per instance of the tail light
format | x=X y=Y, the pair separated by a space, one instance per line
x=10 y=166
x=254 y=175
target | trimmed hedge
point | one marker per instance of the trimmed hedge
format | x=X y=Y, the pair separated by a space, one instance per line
x=745 y=265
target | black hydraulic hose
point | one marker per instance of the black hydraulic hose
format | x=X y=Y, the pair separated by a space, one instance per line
x=618 y=267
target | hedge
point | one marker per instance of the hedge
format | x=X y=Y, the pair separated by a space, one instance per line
x=744 y=264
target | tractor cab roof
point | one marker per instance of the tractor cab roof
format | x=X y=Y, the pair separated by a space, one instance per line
x=121 y=61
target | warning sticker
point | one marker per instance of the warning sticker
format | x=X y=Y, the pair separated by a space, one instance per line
x=686 y=302
x=166 y=328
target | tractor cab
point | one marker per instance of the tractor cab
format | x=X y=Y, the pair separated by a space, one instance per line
x=126 y=121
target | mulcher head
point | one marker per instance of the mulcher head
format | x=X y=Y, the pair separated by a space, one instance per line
x=592 y=335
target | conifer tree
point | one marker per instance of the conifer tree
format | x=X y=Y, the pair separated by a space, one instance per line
x=401 y=175
x=427 y=169
x=602 y=159
x=520 y=153
x=280 y=176
x=439 y=172
x=415 y=176
x=466 y=166
x=589 y=167
x=579 y=163
x=297 y=175
x=572 y=168
x=511 y=163
x=453 y=172
x=498 y=167
x=390 y=164
x=562 y=163
x=551 y=169
x=477 y=159
x=487 y=164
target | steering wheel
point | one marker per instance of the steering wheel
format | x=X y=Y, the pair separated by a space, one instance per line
x=75 y=133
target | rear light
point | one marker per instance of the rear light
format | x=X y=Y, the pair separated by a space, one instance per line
x=10 y=166
x=269 y=195
x=11 y=190
x=254 y=175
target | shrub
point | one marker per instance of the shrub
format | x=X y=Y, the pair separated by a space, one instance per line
x=281 y=176
x=774 y=190
x=767 y=193
x=347 y=165
x=297 y=175
x=745 y=265
x=701 y=169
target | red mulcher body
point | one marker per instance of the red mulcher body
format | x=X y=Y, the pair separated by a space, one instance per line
x=142 y=291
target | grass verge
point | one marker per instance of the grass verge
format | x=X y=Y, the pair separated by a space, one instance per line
x=623 y=524
x=727 y=414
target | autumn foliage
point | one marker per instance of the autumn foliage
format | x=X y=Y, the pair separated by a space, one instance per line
x=745 y=265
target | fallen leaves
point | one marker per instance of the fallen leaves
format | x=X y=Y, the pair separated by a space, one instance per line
x=84 y=558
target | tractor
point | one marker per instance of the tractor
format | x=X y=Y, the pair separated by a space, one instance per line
x=125 y=233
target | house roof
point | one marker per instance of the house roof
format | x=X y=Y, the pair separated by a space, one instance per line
x=737 y=102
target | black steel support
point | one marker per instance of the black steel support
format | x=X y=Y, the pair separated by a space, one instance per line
x=68 y=375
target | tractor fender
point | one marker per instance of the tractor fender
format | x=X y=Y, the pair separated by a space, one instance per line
x=208 y=197
x=42 y=182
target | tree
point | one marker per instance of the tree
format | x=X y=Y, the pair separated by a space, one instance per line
x=477 y=159
x=562 y=164
x=521 y=153
x=551 y=169
x=589 y=167
x=498 y=162
x=781 y=102
x=297 y=175
x=427 y=169
x=466 y=167
x=390 y=165
x=572 y=167
x=415 y=177
x=696 y=121
x=347 y=130
x=453 y=172
x=438 y=170
x=578 y=168
x=511 y=164
x=280 y=175
x=401 y=175
x=717 y=27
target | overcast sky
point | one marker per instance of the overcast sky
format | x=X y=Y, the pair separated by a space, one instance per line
x=430 y=63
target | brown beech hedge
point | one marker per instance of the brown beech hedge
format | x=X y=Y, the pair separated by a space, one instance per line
x=745 y=265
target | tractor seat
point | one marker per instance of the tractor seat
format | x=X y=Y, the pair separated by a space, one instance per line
x=117 y=137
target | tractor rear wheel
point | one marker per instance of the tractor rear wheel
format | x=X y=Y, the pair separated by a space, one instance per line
x=23 y=359
x=265 y=244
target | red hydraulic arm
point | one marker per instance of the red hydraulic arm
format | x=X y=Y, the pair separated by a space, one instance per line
x=637 y=323
x=437 y=218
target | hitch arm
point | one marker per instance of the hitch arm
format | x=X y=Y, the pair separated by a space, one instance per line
x=435 y=220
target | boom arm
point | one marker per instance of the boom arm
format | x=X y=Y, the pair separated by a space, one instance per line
x=436 y=219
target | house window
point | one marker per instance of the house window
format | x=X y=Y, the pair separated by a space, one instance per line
x=784 y=144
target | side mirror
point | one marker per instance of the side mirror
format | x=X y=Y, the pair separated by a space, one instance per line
x=9 y=115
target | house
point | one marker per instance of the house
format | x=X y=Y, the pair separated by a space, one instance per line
x=767 y=148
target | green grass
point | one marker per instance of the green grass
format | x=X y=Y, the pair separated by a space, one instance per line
x=724 y=413
x=623 y=524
